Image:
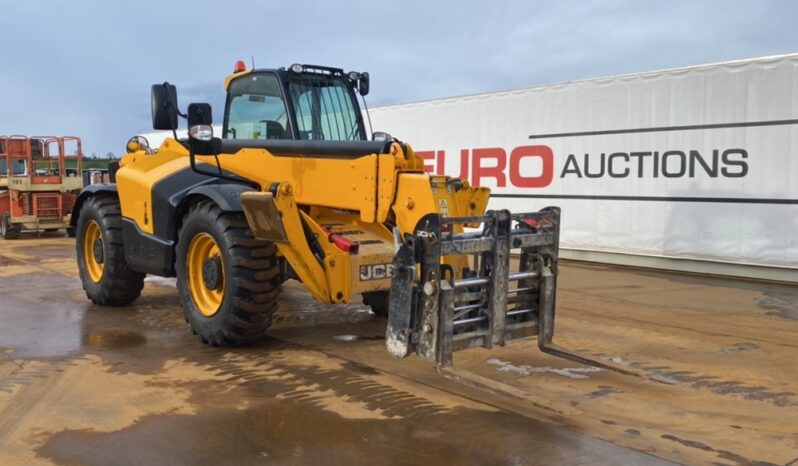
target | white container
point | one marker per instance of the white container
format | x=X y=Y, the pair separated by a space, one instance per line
x=690 y=169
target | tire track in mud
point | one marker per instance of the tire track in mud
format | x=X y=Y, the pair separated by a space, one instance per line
x=714 y=384
x=25 y=375
x=280 y=374
x=363 y=383
x=37 y=263
x=574 y=313
x=375 y=395
x=27 y=386
x=722 y=454
x=308 y=377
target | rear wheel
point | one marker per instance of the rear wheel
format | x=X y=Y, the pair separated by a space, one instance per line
x=106 y=277
x=378 y=301
x=7 y=229
x=228 y=280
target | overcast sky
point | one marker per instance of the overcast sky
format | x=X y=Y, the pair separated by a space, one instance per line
x=85 y=67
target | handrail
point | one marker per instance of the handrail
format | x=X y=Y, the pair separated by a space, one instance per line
x=346 y=149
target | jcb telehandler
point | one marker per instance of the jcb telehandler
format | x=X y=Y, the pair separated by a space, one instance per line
x=295 y=189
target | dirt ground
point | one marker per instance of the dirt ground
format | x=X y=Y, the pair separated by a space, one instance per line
x=81 y=384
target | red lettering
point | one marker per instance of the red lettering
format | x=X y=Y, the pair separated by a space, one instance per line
x=482 y=168
x=546 y=174
x=480 y=171
x=427 y=155
x=463 y=164
x=440 y=161
x=438 y=156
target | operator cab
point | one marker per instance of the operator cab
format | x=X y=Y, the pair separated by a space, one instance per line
x=302 y=102
x=304 y=109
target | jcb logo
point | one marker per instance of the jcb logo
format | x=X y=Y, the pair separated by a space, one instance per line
x=375 y=272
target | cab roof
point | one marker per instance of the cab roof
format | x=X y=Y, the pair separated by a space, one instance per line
x=296 y=68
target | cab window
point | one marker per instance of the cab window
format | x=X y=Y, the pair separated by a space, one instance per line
x=256 y=109
x=325 y=109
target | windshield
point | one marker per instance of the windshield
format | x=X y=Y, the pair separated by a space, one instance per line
x=324 y=106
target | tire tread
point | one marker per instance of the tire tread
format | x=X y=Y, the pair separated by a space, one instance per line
x=255 y=280
x=119 y=285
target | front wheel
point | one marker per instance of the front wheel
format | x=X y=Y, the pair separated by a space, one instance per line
x=7 y=229
x=228 y=280
x=106 y=277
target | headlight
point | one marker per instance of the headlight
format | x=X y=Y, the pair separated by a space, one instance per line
x=297 y=68
x=201 y=132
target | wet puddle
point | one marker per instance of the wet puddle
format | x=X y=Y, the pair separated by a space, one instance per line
x=578 y=373
x=311 y=414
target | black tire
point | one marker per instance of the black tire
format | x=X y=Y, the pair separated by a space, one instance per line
x=250 y=282
x=118 y=285
x=7 y=229
x=378 y=301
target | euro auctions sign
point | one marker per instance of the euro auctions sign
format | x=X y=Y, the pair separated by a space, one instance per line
x=697 y=163
x=534 y=166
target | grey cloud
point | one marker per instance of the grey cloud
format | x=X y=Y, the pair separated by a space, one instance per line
x=85 y=68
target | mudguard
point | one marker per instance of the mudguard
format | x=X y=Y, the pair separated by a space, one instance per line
x=87 y=192
x=226 y=196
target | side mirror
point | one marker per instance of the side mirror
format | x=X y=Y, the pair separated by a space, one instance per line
x=359 y=81
x=200 y=130
x=363 y=83
x=164 y=106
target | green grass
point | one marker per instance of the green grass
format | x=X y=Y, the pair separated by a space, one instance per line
x=89 y=164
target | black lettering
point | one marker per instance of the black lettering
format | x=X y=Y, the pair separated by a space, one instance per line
x=656 y=164
x=610 y=170
x=640 y=156
x=682 y=163
x=587 y=167
x=712 y=171
x=575 y=170
x=743 y=166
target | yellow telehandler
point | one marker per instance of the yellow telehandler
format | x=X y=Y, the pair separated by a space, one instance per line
x=296 y=189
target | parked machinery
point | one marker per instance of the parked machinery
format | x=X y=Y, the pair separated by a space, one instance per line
x=39 y=183
x=296 y=188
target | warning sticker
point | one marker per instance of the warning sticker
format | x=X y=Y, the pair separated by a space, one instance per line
x=443 y=207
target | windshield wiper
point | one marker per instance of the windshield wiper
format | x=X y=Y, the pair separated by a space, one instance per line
x=352 y=131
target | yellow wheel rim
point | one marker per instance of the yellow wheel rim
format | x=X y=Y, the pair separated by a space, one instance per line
x=207 y=292
x=93 y=251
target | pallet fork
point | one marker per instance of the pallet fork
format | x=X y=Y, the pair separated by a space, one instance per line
x=434 y=314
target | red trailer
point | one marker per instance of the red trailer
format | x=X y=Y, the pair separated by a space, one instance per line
x=40 y=178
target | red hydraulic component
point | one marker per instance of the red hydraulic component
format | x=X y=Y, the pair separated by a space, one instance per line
x=343 y=243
